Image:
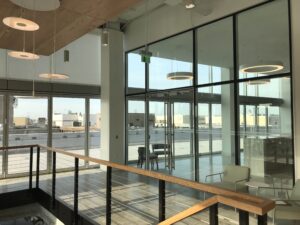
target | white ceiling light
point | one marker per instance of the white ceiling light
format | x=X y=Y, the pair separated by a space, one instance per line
x=189 y=4
x=23 y=55
x=19 y=23
x=40 y=5
x=180 y=76
x=56 y=76
x=265 y=67
x=259 y=82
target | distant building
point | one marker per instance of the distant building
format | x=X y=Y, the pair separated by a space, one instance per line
x=41 y=121
x=68 y=120
x=95 y=120
x=22 y=121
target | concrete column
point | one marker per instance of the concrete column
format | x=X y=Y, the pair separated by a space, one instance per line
x=112 y=99
x=227 y=106
x=295 y=18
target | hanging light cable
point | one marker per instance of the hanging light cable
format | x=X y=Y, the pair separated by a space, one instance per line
x=23 y=54
x=53 y=74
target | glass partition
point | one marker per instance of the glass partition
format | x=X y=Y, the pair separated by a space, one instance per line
x=267 y=134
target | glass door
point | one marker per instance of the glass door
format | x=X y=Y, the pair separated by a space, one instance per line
x=171 y=135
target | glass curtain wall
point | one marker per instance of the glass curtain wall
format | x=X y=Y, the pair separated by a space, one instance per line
x=210 y=97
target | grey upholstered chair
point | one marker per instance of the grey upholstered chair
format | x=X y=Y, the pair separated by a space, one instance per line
x=290 y=209
x=233 y=178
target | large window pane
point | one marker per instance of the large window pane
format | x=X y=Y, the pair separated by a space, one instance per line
x=263 y=38
x=215 y=129
x=215 y=52
x=95 y=128
x=28 y=125
x=135 y=72
x=135 y=125
x=172 y=56
x=267 y=134
x=68 y=128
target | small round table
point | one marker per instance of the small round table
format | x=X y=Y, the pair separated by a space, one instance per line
x=257 y=185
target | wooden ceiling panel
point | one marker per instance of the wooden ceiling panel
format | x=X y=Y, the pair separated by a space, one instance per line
x=74 y=19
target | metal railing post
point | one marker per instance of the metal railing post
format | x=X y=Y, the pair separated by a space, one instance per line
x=262 y=220
x=243 y=217
x=213 y=215
x=108 y=196
x=30 y=167
x=53 y=178
x=162 y=200
x=38 y=166
x=76 y=171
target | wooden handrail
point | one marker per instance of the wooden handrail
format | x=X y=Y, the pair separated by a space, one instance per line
x=190 y=211
x=17 y=147
x=246 y=202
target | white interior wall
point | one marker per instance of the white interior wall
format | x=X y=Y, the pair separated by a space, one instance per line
x=296 y=80
x=83 y=67
x=170 y=20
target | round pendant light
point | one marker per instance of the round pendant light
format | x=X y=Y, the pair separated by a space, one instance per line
x=259 y=82
x=56 y=76
x=38 y=5
x=19 y=23
x=180 y=76
x=23 y=55
x=266 y=67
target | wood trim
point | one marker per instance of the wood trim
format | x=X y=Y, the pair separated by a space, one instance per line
x=190 y=211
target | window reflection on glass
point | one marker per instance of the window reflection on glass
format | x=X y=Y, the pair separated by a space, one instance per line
x=135 y=72
x=135 y=126
x=28 y=125
x=263 y=43
x=267 y=134
x=215 y=52
x=171 y=59
x=68 y=128
x=95 y=128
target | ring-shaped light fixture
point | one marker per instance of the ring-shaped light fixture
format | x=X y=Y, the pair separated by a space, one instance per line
x=19 y=23
x=55 y=76
x=267 y=67
x=23 y=55
x=180 y=76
